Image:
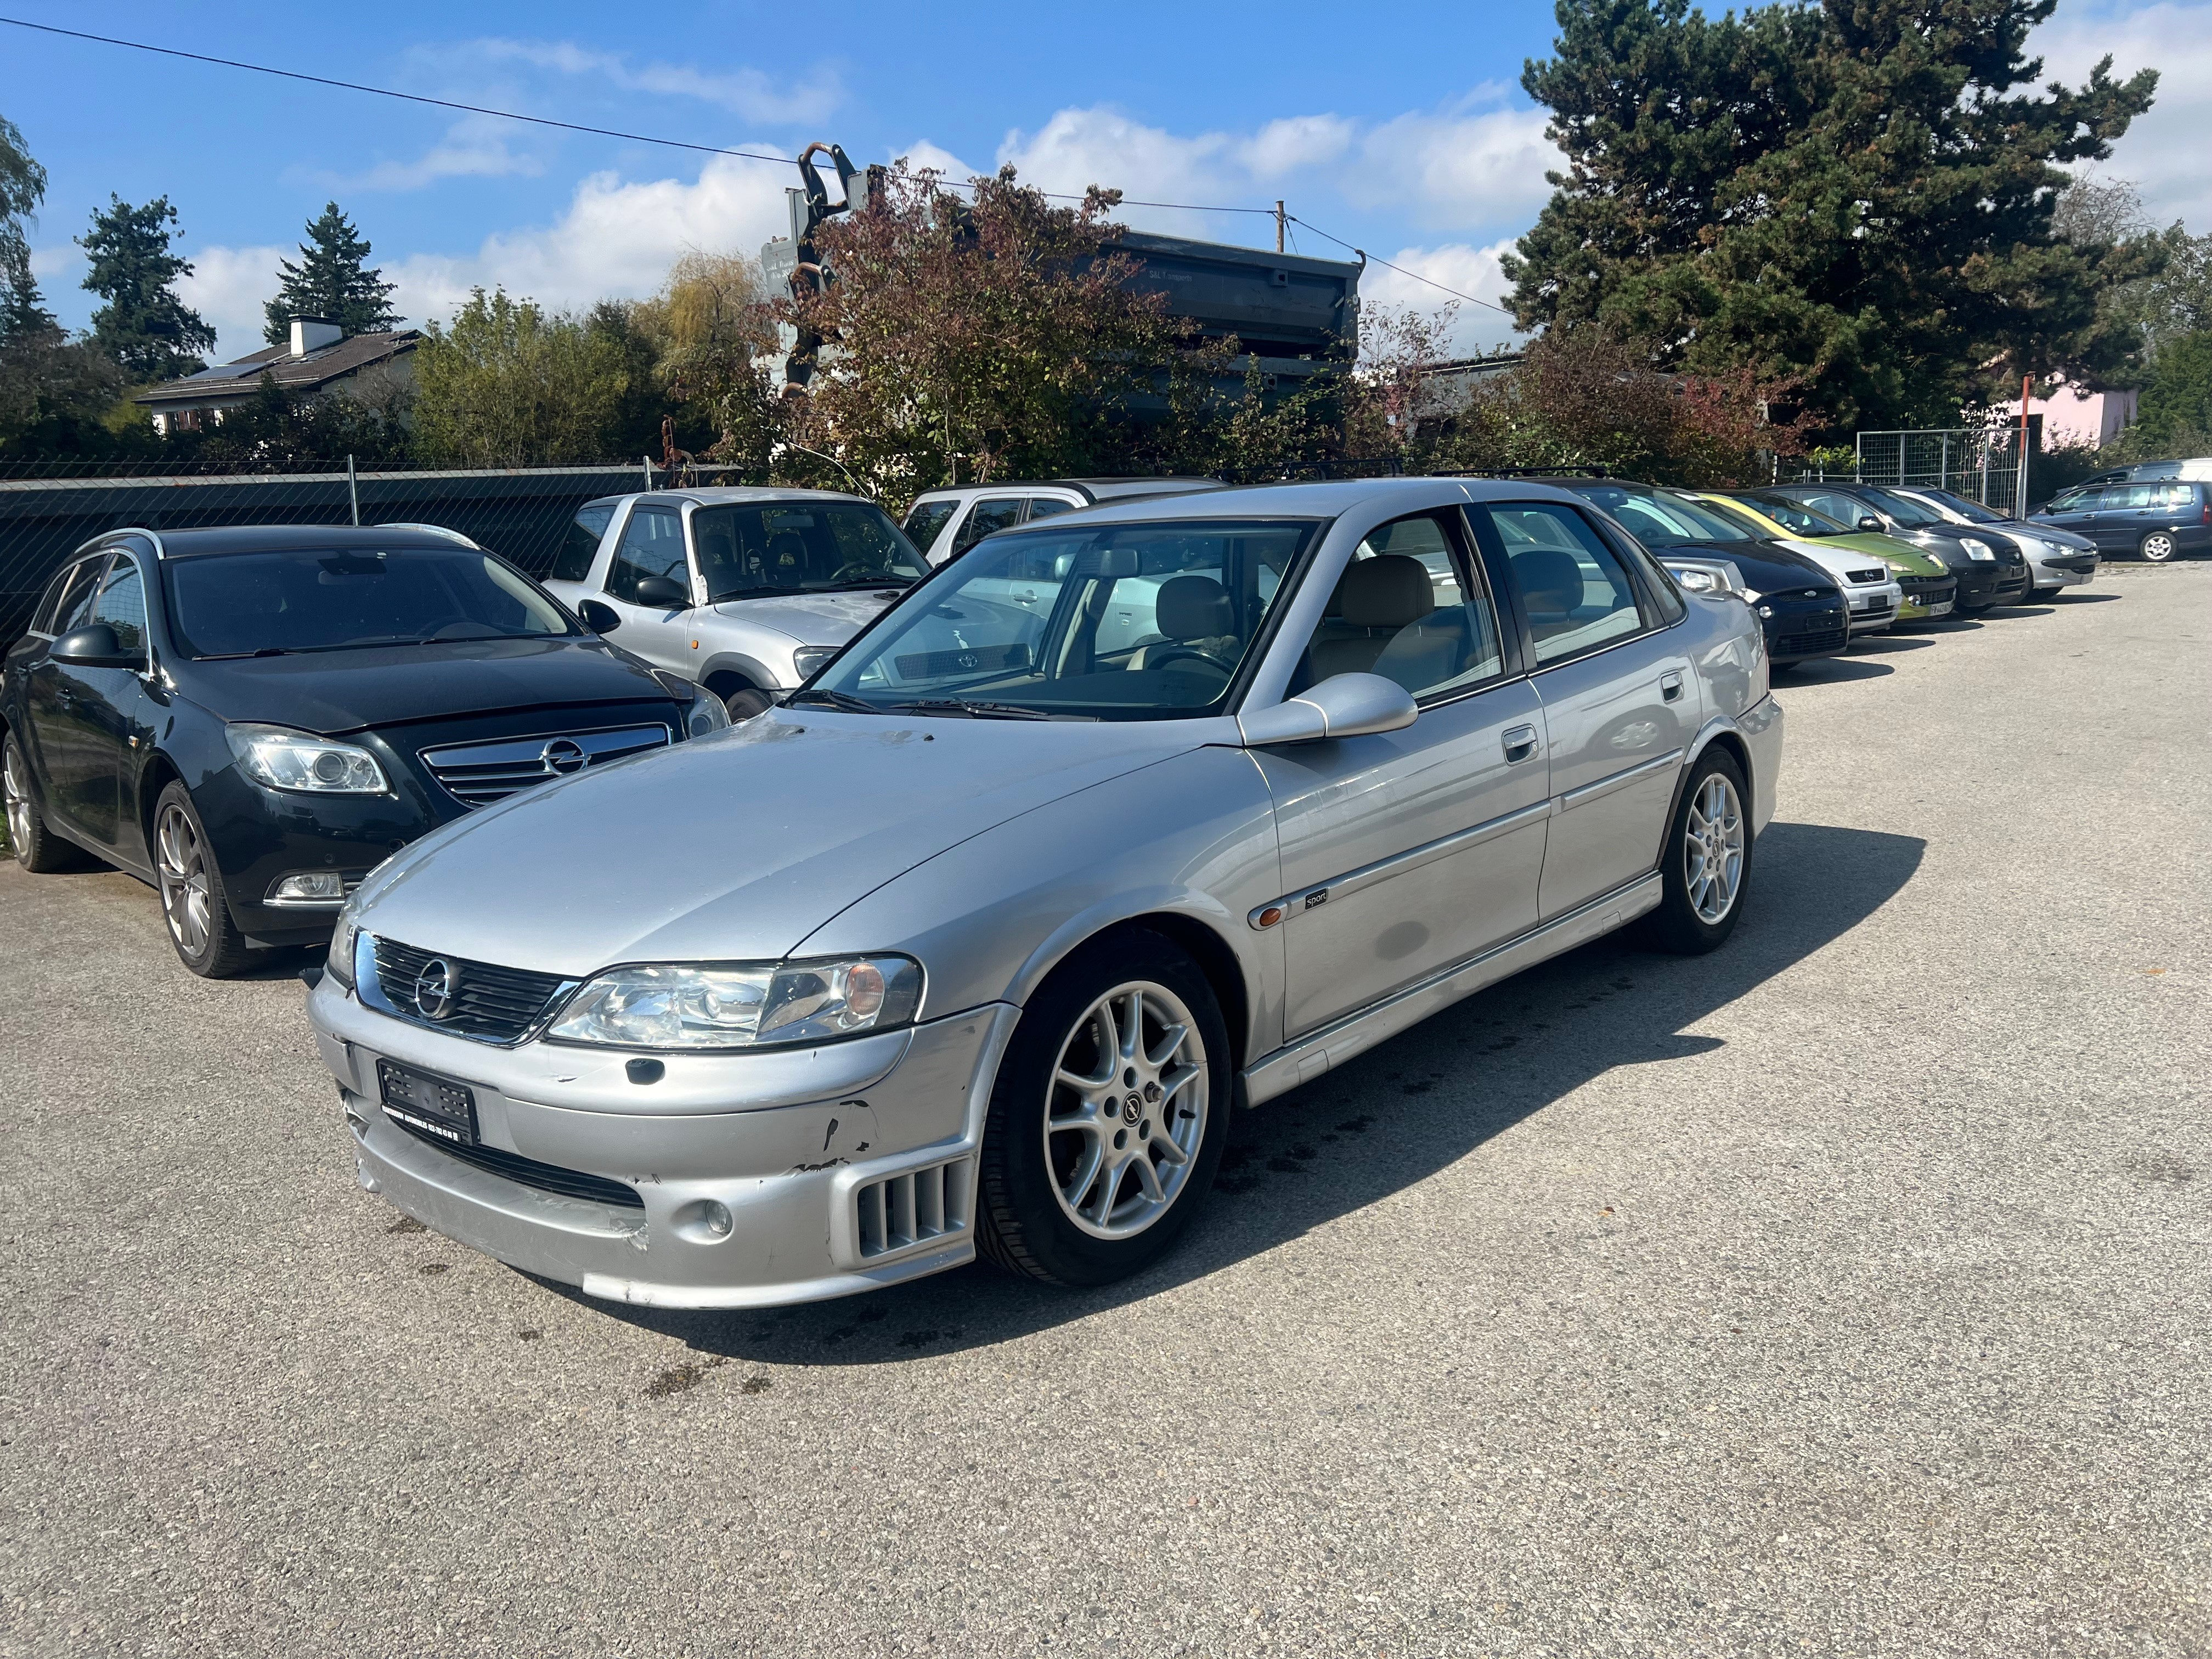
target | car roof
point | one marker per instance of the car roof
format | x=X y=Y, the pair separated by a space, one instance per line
x=291 y=538
x=730 y=496
x=1099 y=490
x=1318 y=499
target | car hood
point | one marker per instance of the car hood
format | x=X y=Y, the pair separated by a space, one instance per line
x=1766 y=567
x=1837 y=559
x=811 y=618
x=2049 y=533
x=333 y=692
x=735 y=846
x=1901 y=556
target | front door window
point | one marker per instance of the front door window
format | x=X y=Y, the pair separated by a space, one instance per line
x=652 y=546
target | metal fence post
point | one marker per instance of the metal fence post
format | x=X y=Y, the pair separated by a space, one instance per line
x=353 y=491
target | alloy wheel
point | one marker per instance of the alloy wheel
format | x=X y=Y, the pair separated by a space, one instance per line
x=1712 y=849
x=1127 y=1116
x=2158 y=547
x=17 y=788
x=181 y=863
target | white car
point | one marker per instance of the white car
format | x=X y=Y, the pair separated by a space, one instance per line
x=746 y=591
x=945 y=523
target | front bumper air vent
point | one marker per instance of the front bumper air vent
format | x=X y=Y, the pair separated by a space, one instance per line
x=913 y=1207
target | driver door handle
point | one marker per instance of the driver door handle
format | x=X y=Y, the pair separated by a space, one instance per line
x=1670 y=686
x=1520 y=741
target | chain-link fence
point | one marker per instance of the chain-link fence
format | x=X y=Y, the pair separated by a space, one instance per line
x=48 y=508
x=1980 y=463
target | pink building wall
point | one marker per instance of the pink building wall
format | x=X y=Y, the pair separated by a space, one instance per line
x=2075 y=414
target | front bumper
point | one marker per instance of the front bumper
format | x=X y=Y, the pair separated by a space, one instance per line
x=842 y=1168
x=1927 y=597
x=1798 y=630
x=1874 y=605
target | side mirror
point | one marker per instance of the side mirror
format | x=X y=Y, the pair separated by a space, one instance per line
x=1341 y=706
x=1868 y=521
x=94 y=645
x=600 y=618
x=660 y=593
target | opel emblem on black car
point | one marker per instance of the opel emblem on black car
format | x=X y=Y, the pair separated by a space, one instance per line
x=433 y=988
x=564 y=756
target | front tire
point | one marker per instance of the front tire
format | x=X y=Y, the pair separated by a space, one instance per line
x=37 y=848
x=2159 y=547
x=207 y=940
x=1707 y=862
x=747 y=702
x=1108 y=1115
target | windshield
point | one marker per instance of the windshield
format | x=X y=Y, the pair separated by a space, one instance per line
x=812 y=547
x=1659 y=520
x=1966 y=509
x=1797 y=517
x=245 y=604
x=1121 y=621
x=1905 y=510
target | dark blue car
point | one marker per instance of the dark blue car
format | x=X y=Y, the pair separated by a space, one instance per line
x=2157 y=520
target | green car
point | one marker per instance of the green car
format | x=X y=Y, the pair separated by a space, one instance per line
x=1929 y=586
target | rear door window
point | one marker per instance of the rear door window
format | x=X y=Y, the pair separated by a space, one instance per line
x=1576 y=593
x=926 y=519
x=580 y=544
x=992 y=514
x=74 y=605
x=1044 y=507
x=652 y=546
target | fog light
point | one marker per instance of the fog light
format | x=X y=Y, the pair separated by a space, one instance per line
x=317 y=887
x=714 y=1218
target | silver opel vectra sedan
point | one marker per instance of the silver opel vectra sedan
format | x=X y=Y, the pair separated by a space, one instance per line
x=974 y=942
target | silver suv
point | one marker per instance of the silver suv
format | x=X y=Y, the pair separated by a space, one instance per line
x=945 y=523
x=747 y=592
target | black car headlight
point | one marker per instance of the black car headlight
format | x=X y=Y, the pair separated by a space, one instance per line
x=703 y=712
x=742 y=1004
x=303 y=763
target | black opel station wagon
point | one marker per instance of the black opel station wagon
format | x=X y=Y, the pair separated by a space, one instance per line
x=251 y=719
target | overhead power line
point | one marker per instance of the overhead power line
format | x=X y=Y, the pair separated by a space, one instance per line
x=669 y=143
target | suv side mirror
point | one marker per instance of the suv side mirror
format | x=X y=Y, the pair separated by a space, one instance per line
x=94 y=645
x=661 y=593
x=1341 y=706
x=600 y=618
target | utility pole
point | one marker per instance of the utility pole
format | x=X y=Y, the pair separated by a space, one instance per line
x=2019 y=489
x=1279 y=227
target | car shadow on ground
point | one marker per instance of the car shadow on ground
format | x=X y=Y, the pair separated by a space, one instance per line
x=1329 y=1149
x=1834 y=670
x=1881 y=645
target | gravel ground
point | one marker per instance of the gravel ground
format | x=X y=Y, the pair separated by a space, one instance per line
x=1841 y=1292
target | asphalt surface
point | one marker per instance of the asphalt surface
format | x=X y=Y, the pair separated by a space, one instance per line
x=1842 y=1293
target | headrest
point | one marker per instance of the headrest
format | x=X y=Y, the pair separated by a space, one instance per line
x=1390 y=590
x=1550 y=580
x=1193 y=608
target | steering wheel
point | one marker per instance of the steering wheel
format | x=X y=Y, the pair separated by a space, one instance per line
x=1177 y=652
x=855 y=573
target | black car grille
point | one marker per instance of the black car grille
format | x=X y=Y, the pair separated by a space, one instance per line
x=546 y=1177
x=1867 y=575
x=489 y=1003
x=478 y=774
x=1811 y=641
x=1926 y=590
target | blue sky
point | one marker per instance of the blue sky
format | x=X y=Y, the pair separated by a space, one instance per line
x=1403 y=130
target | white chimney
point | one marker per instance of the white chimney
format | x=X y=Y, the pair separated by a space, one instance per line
x=313 y=334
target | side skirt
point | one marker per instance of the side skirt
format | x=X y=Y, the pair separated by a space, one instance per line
x=1310 y=1055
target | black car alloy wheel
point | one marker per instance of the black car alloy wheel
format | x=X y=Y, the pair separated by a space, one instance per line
x=208 y=941
x=36 y=848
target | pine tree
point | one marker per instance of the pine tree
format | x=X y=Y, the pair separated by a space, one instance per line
x=1855 y=196
x=144 y=326
x=333 y=279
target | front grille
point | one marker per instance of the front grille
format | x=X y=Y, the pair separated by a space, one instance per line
x=1924 y=590
x=546 y=1177
x=1804 y=645
x=489 y=1003
x=912 y=1208
x=1867 y=575
x=478 y=774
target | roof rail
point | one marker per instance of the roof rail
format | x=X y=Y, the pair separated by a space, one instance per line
x=160 y=551
x=1523 y=472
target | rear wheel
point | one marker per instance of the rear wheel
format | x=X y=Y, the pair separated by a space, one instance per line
x=208 y=941
x=1108 y=1115
x=36 y=848
x=2159 y=546
x=1707 y=864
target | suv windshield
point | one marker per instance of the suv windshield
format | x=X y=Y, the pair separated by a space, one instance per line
x=1117 y=621
x=268 y=604
x=1658 y=521
x=801 y=547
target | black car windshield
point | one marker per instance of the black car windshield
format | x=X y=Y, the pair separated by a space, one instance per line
x=1905 y=510
x=1966 y=509
x=1658 y=521
x=269 y=603
x=1795 y=517
x=1120 y=621
x=807 y=547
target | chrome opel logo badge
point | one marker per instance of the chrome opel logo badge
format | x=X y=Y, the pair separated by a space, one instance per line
x=1133 y=1108
x=563 y=756
x=433 y=988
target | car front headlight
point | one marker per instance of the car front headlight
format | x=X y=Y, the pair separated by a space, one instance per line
x=743 y=1005
x=1975 y=550
x=808 y=659
x=338 y=964
x=1697 y=582
x=2052 y=547
x=703 y=712
x=297 y=761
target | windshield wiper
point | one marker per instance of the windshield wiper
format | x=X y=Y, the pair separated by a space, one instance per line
x=979 y=711
x=830 y=699
x=892 y=581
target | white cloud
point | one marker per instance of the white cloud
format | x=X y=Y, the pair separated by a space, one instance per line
x=1474 y=329
x=229 y=287
x=475 y=148
x=2163 y=152
x=1299 y=141
x=615 y=239
x=747 y=92
x=1459 y=168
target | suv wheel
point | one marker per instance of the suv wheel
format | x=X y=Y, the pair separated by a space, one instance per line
x=2158 y=547
x=37 y=848
x=1707 y=863
x=743 y=701
x=1108 y=1115
x=208 y=941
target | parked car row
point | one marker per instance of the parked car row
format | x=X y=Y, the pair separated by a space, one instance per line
x=990 y=872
